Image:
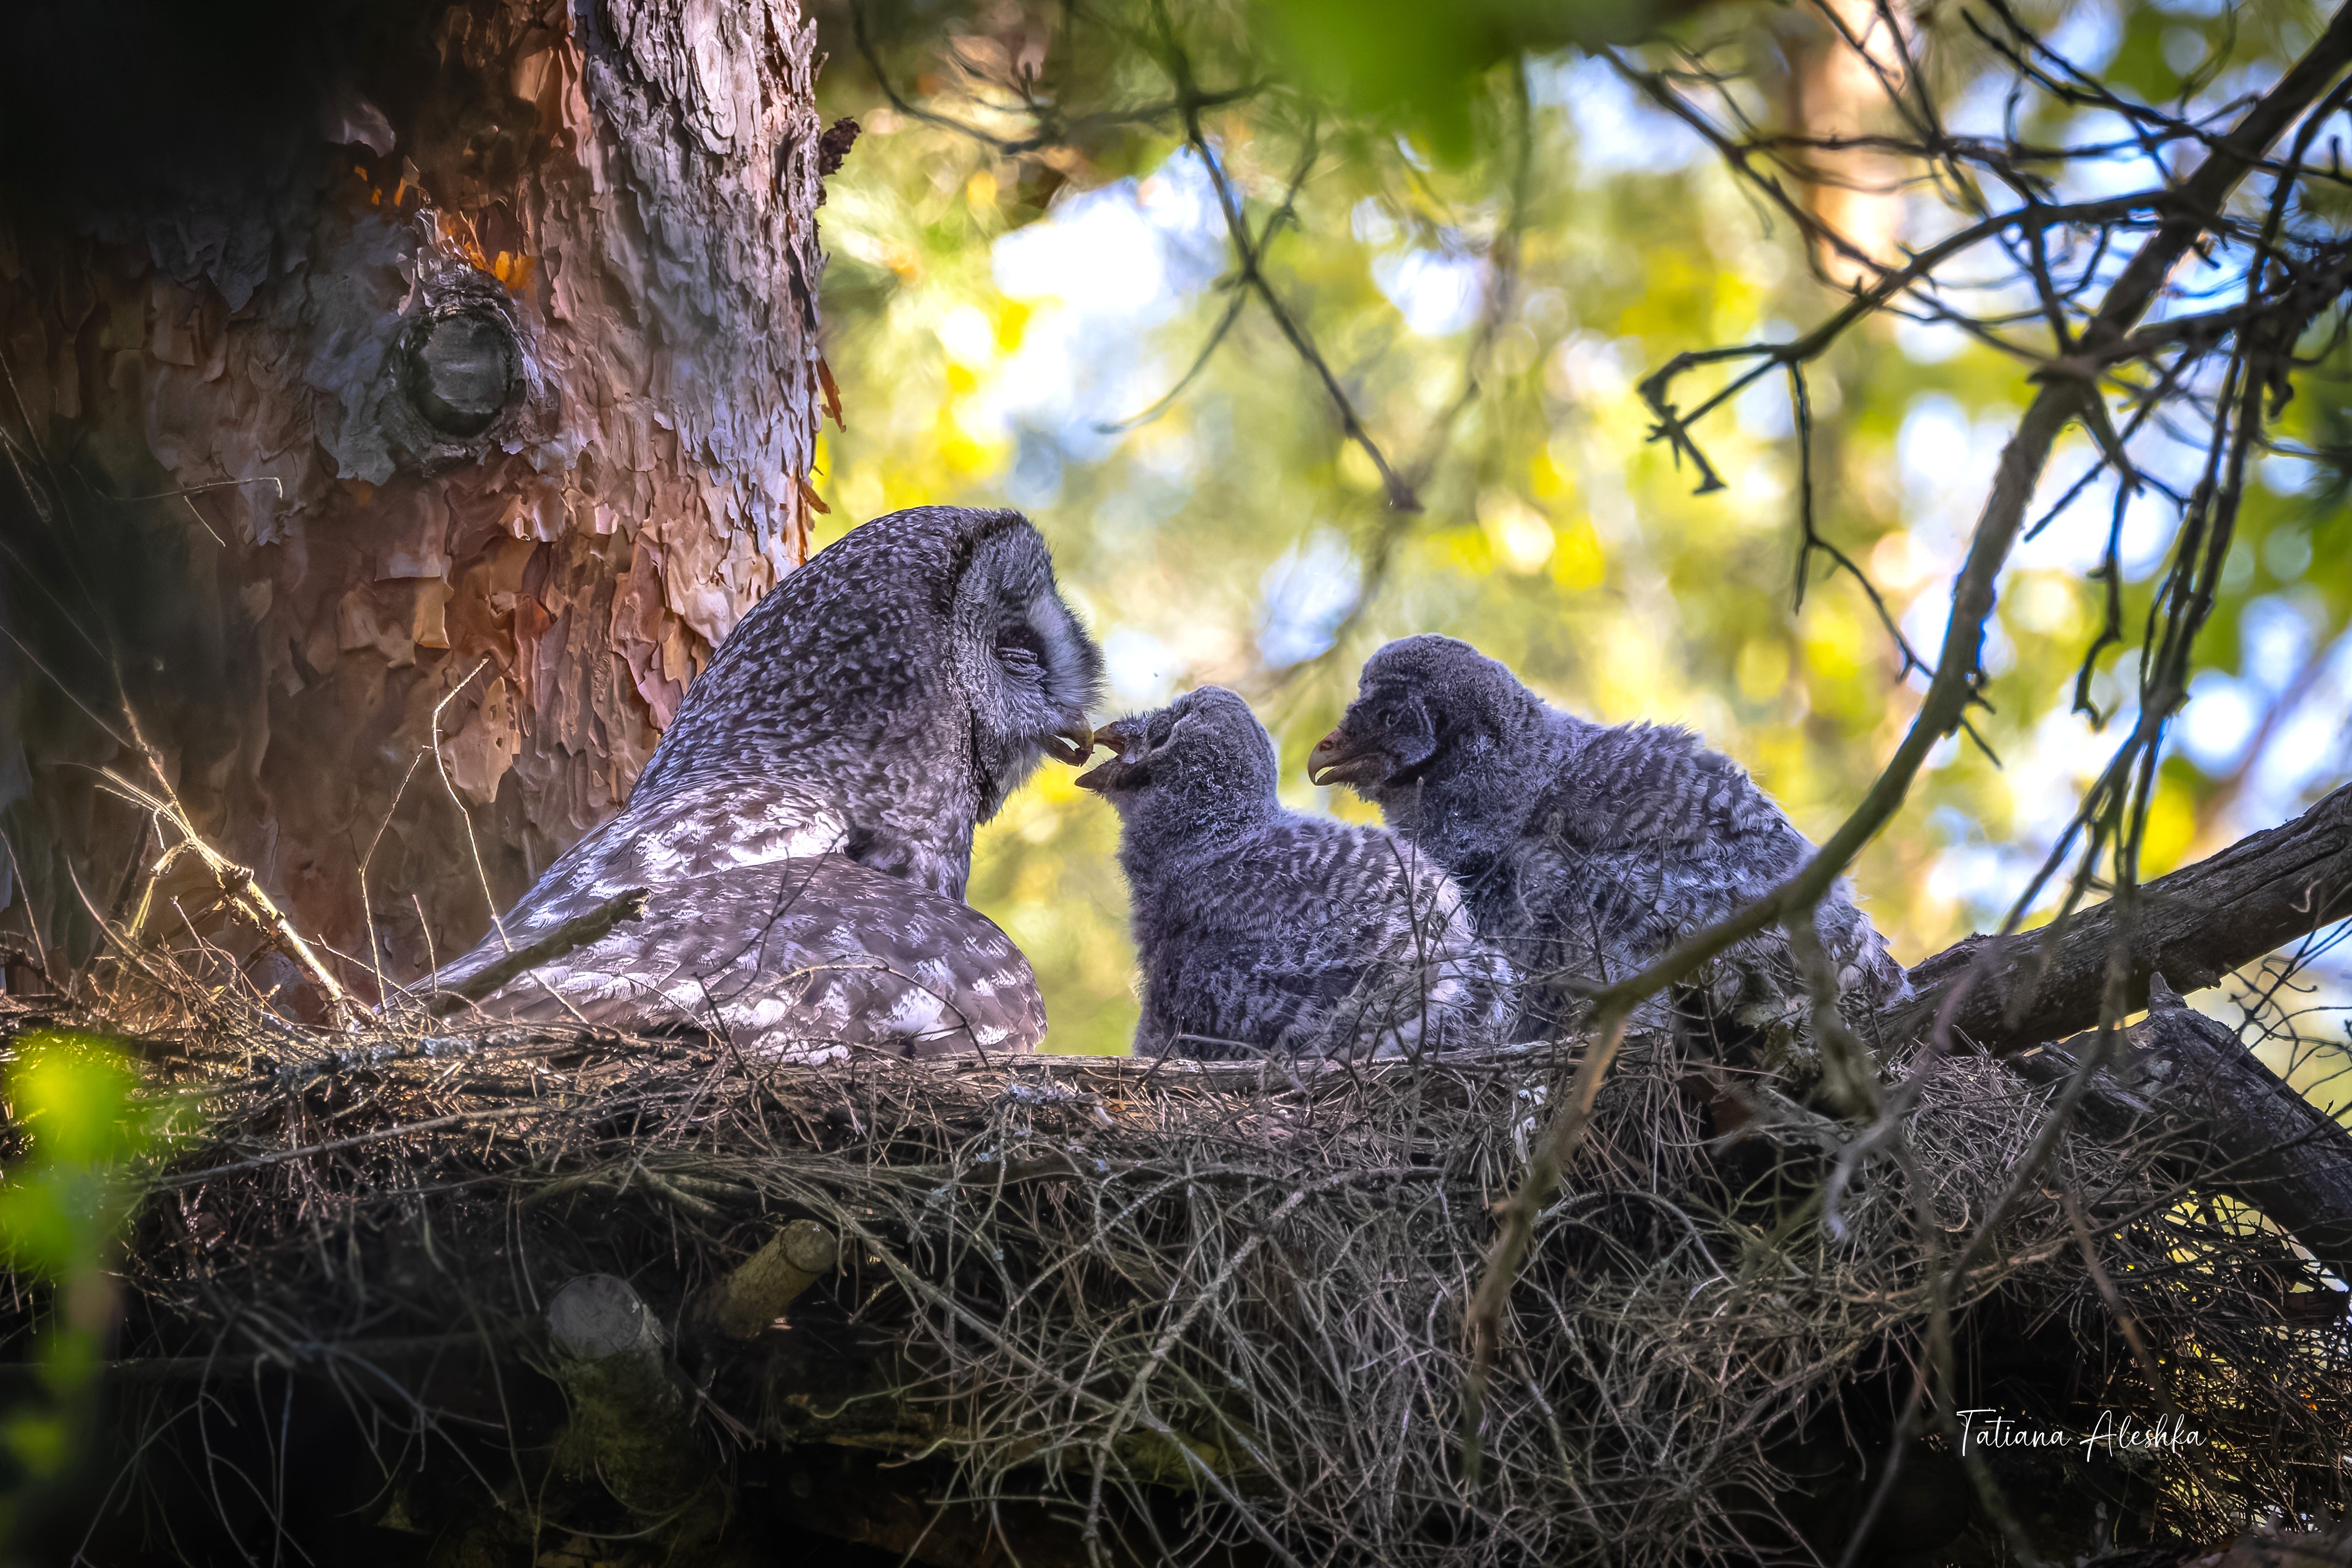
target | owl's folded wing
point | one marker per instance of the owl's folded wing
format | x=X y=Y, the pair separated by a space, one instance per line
x=801 y=957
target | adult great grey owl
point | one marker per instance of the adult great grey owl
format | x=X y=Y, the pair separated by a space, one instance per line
x=806 y=826
x=1264 y=932
x=1586 y=850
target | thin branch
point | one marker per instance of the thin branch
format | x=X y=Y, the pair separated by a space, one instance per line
x=578 y=932
x=1051 y=131
x=235 y=882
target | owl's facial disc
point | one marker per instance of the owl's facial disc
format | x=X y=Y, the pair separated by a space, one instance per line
x=1205 y=753
x=1384 y=735
x=1140 y=742
x=1046 y=679
x=1026 y=664
x=1124 y=769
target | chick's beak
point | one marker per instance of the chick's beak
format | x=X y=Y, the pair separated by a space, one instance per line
x=1337 y=758
x=1104 y=778
x=1076 y=739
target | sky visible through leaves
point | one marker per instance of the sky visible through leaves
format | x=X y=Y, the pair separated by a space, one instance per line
x=991 y=329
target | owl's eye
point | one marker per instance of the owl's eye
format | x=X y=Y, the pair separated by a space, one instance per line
x=1021 y=650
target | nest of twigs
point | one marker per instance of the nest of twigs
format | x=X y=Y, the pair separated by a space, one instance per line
x=1179 y=1311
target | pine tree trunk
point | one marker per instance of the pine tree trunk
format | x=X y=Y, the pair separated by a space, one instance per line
x=465 y=386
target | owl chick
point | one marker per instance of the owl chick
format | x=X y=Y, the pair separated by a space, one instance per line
x=1585 y=851
x=806 y=826
x=1264 y=932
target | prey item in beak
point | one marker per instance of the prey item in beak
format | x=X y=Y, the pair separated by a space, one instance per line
x=1336 y=761
x=1106 y=778
x=1076 y=739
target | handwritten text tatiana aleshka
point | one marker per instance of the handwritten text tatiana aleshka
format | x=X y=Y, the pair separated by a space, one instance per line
x=1991 y=1430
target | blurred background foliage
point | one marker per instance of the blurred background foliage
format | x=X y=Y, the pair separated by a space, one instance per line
x=74 y=1142
x=1488 y=235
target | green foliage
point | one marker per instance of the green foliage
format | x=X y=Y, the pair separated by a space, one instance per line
x=65 y=1196
x=1419 y=65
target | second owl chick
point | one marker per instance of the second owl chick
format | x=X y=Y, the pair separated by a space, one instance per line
x=1263 y=931
x=1586 y=850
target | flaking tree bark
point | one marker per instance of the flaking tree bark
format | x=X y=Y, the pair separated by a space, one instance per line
x=378 y=375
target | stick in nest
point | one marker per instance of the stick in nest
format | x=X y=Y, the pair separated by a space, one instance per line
x=237 y=882
x=576 y=933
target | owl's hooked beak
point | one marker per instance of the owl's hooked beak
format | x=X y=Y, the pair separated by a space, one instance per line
x=1078 y=741
x=1337 y=758
x=1106 y=778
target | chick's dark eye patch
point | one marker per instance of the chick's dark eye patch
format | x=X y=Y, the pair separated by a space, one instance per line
x=1020 y=644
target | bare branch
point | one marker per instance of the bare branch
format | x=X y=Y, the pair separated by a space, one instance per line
x=574 y=933
x=1250 y=270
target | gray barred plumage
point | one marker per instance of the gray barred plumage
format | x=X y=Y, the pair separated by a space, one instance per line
x=1261 y=930
x=805 y=825
x=1585 y=851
